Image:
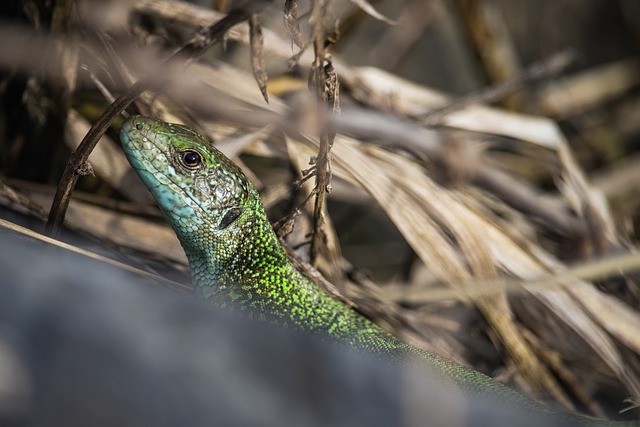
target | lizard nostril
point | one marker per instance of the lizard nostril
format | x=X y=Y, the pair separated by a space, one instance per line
x=139 y=126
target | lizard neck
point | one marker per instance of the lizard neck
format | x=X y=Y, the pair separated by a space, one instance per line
x=251 y=273
x=227 y=267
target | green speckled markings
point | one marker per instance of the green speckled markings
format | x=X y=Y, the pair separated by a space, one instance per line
x=240 y=262
x=237 y=261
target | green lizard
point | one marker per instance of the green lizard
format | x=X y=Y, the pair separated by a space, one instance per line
x=237 y=260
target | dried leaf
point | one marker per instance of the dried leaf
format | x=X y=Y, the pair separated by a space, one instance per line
x=291 y=22
x=371 y=11
x=108 y=161
x=332 y=86
x=258 y=63
x=422 y=211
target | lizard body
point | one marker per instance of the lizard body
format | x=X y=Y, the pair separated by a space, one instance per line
x=237 y=260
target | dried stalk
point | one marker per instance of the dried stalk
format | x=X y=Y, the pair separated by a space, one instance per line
x=324 y=82
x=78 y=160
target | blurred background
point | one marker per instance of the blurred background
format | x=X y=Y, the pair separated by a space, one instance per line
x=485 y=164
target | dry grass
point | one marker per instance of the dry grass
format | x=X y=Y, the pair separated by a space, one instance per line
x=518 y=229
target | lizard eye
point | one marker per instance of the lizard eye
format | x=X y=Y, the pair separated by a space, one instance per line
x=190 y=158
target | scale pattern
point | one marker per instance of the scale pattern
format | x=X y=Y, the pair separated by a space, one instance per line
x=237 y=260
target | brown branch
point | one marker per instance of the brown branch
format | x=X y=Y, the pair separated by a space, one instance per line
x=552 y=66
x=324 y=82
x=198 y=44
x=258 y=61
x=491 y=43
x=524 y=198
x=391 y=131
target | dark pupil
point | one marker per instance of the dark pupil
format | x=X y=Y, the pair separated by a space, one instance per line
x=191 y=158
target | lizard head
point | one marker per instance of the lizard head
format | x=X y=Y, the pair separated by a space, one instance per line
x=207 y=198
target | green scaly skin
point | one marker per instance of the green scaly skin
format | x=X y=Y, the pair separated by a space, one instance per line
x=237 y=260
